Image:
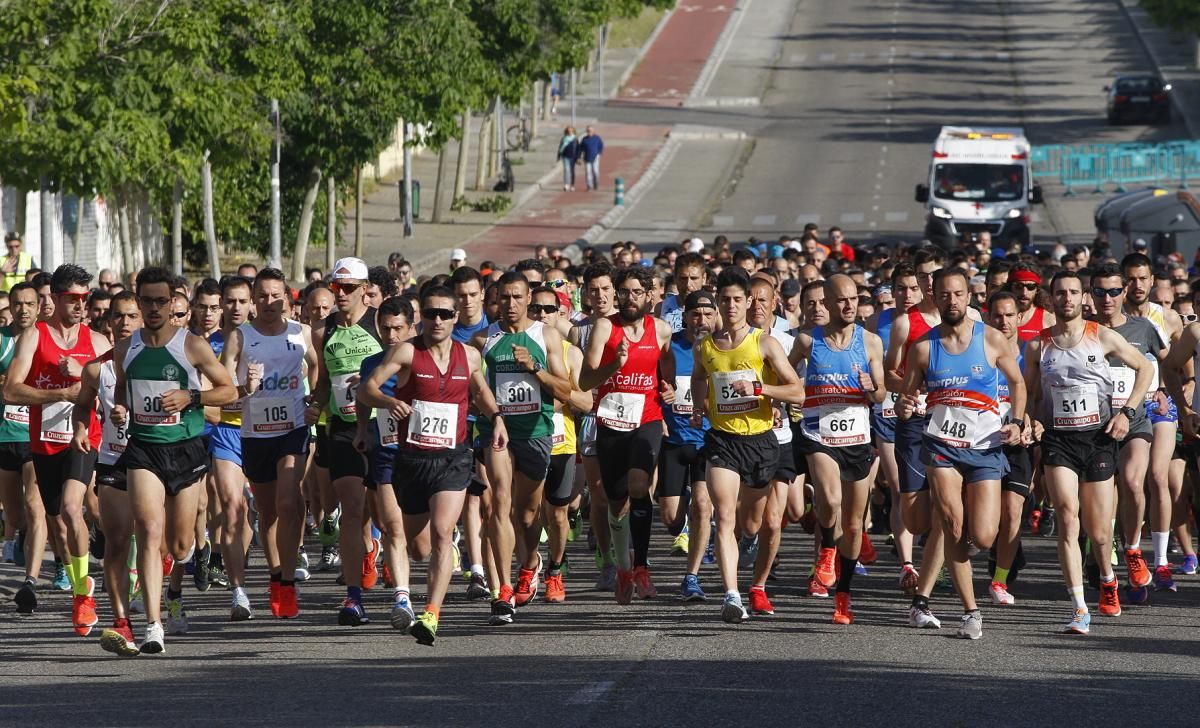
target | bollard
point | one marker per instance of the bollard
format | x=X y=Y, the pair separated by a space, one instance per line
x=620 y=193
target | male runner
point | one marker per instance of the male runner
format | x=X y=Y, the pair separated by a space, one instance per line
x=205 y=322
x=728 y=383
x=628 y=362
x=158 y=394
x=44 y=374
x=1025 y=283
x=689 y=277
x=842 y=362
x=436 y=378
x=1067 y=373
x=272 y=357
x=319 y=304
x=958 y=365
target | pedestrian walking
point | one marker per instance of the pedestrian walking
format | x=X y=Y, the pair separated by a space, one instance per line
x=591 y=146
x=568 y=148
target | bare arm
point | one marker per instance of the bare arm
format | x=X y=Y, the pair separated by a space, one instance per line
x=893 y=380
x=201 y=355
x=580 y=401
x=1115 y=345
x=790 y=389
x=699 y=387
x=875 y=364
x=593 y=375
x=16 y=391
x=666 y=355
x=1007 y=364
x=1173 y=365
x=370 y=392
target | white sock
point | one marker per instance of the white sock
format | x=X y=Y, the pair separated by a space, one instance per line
x=733 y=593
x=401 y=590
x=1159 y=540
x=1108 y=578
x=1136 y=543
x=1076 y=593
x=477 y=569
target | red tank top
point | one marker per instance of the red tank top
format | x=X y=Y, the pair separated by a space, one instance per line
x=439 y=401
x=917 y=327
x=1032 y=328
x=629 y=398
x=50 y=427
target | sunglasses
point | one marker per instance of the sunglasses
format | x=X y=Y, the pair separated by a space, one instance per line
x=556 y=283
x=1025 y=286
x=441 y=314
x=1098 y=292
x=179 y=314
x=1188 y=317
x=153 y=302
x=74 y=297
x=346 y=288
x=543 y=308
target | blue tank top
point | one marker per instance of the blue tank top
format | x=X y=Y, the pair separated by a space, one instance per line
x=678 y=416
x=1005 y=402
x=883 y=328
x=835 y=404
x=964 y=394
x=463 y=333
x=389 y=388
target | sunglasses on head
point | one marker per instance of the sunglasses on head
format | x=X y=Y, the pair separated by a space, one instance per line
x=1098 y=292
x=1026 y=285
x=441 y=314
x=543 y=308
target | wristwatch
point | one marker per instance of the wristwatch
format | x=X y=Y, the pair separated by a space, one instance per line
x=537 y=367
x=1129 y=412
x=195 y=395
x=757 y=389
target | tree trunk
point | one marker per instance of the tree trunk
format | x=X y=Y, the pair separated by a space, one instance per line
x=78 y=234
x=330 y=224
x=46 y=207
x=177 y=227
x=464 y=147
x=548 y=97
x=210 y=228
x=358 y=212
x=485 y=152
x=534 y=99
x=437 y=186
x=123 y=229
x=306 y=217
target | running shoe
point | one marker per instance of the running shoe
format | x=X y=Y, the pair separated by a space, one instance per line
x=826 y=572
x=544 y=538
x=575 y=522
x=118 y=639
x=867 y=554
x=370 y=570
x=153 y=643
x=679 y=547
x=971 y=626
x=168 y=563
x=217 y=576
x=527 y=584
x=352 y=613
x=61 y=581
x=303 y=572
x=747 y=551
x=331 y=558
x=1049 y=523
x=624 y=590
x=200 y=573
x=859 y=569
x=1110 y=603
x=425 y=628
x=999 y=594
x=240 y=611
x=690 y=590
x=1138 y=595
x=1163 y=580
x=1035 y=518
x=759 y=602
x=456 y=566
x=607 y=581
x=842 y=613
x=817 y=589
x=1189 y=565
x=1081 y=622
x=1139 y=573
x=177 y=621
x=388 y=581
x=329 y=532
x=83 y=610
x=402 y=614
x=922 y=618
x=555 y=592
x=732 y=610
x=288 y=607
x=273 y=597
x=643 y=584
x=477 y=588
x=773 y=574
x=26 y=598
x=503 y=607
x=19 y=550
x=909 y=578
x=710 y=557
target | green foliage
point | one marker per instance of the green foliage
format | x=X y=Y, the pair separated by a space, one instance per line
x=496 y=203
x=1181 y=15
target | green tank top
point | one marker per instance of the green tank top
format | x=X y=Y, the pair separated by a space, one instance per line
x=14 y=420
x=149 y=372
x=527 y=407
x=344 y=350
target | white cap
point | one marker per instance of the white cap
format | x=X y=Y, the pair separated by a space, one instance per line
x=458 y=254
x=350 y=268
x=795 y=245
x=695 y=245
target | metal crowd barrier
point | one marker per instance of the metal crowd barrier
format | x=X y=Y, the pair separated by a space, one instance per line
x=1097 y=165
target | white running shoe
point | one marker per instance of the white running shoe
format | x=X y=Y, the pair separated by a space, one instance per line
x=240 y=611
x=153 y=644
x=999 y=594
x=922 y=618
x=732 y=610
x=177 y=623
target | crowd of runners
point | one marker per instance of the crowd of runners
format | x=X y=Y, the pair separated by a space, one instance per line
x=482 y=420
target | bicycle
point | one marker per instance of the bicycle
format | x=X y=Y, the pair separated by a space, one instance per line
x=518 y=136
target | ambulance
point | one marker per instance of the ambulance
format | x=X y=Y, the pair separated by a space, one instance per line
x=979 y=180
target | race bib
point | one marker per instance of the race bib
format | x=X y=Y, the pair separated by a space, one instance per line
x=954 y=426
x=560 y=430
x=433 y=424
x=56 y=422
x=267 y=414
x=147 y=403
x=729 y=402
x=389 y=428
x=683 y=396
x=17 y=414
x=843 y=425
x=1122 y=385
x=889 y=405
x=517 y=393
x=1076 y=407
x=343 y=394
x=621 y=411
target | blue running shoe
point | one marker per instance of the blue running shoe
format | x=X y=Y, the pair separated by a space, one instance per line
x=352 y=613
x=1163 y=580
x=402 y=614
x=61 y=581
x=709 y=556
x=1137 y=594
x=690 y=591
x=1189 y=565
x=1081 y=622
x=859 y=569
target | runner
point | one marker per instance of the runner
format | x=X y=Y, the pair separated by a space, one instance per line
x=628 y=363
x=436 y=377
x=273 y=358
x=842 y=362
x=728 y=384
x=958 y=364
x=158 y=394
x=98 y=385
x=1026 y=283
x=689 y=277
x=205 y=322
x=44 y=374
x=1067 y=374
x=318 y=306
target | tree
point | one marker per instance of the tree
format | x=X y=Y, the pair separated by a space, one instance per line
x=1181 y=15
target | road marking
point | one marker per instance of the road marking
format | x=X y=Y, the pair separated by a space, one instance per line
x=589 y=694
x=856 y=56
x=804 y=218
x=975 y=56
x=799 y=57
x=826 y=57
x=946 y=54
x=667 y=224
x=853 y=217
x=895 y=217
x=917 y=54
x=1002 y=56
x=764 y=220
x=725 y=221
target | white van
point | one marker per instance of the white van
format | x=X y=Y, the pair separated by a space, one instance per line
x=979 y=179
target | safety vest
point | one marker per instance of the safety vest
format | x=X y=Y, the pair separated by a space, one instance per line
x=24 y=263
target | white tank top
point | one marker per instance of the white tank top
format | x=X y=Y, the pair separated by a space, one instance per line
x=113 y=438
x=783 y=432
x=277 y=406
x=1077 y=384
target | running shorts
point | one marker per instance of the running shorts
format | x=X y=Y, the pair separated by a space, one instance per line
x=560 y=480
x=418 y=475
x=1091 y=453
x=261 y=455
x=14 y=455
x=111 y=476
x=177 y=464
x=976 y=466
x=910 y=436
x=225 y=443
x=853 y=461
x=753 y=457
x=1020 y=470
x=678 y=467
x=620 y=452
x=344 y=460
x=54 y=470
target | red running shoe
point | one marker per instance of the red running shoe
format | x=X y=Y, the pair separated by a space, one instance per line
x=1110 y=603
x=83 y=610
x=816 y=589
x=642 y=583
x=287 y=607
x=555 y=592
x=867 y=554
x=826 y=572
x=624 y=590
x=1139 y=573
x=118 y=639
x=527 y=586
x=841 y=609
x=274 y=597
x=370 y=572
x=759 y=603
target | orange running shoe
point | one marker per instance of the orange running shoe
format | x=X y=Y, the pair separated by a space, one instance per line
x=555 y=592
x=841 y=609
x=83 y=610
x=643 y=584
x=273 y=597
x=1110 y=603
x=287 y=608
x=826 y=572
x=624 y=589
x=388 y=581
x=759 y=603
x=867 y=554
x=527 y=587
x=168 y=564
x=1139 y=574
x=816 y=589
x=370 y=572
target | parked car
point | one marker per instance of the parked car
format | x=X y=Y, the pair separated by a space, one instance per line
x=1135 y=98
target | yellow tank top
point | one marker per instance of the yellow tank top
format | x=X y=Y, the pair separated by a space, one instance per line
x=564 y=421
x=727 y=411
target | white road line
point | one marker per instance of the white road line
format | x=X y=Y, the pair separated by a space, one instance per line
x=917 y=54
x=804 y=218
x=1002 y=56
x=826 y=57
x=724 y=41
x=946 y=54
x=764 y=220
x=852 y=218
x=895 y=217
x=592 y=692
x=856 y=56
x=667 y=224
x=723 y=221
x=799 y=57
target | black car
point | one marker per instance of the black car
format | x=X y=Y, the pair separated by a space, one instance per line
x=1132 y=98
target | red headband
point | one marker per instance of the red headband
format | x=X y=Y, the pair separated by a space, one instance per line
x=1027 y=276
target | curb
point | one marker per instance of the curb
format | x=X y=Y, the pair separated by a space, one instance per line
x=1175 y=100
x=614 y=216
x=637 y=59
x=696 y=133
x=720 y=48
x=708 y=102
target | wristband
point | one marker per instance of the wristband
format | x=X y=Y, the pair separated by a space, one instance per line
x=195 y=394
x=757 y=389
